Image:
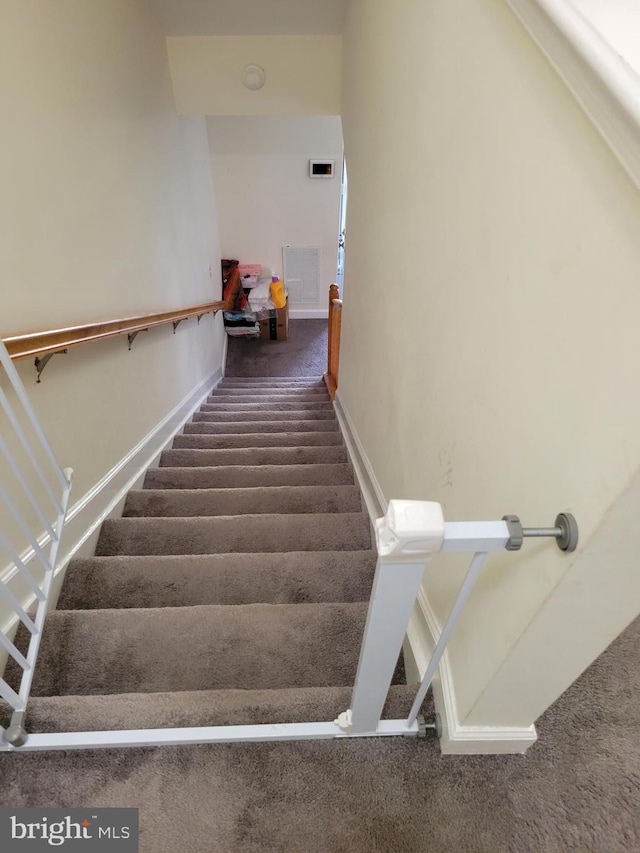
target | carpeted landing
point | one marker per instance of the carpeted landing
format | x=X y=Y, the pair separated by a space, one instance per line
x=303 y=354
x=238 y=576
x=233 y=591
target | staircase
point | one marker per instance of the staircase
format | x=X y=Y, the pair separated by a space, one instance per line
x=234 y=588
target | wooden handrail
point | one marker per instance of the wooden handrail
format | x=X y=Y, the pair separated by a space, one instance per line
x=333 y=354
x=34 y=344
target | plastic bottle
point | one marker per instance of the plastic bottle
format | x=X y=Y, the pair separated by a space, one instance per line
x=278 y=296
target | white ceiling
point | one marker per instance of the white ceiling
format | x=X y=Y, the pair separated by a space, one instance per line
x=250 y=17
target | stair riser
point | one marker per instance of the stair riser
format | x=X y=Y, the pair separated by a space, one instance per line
x=204 y=708
x=271 y=390
x=216 y=502
x=267 y=399
x=254 y=456
x=272 y=405
x=250 y=440
x=281 y=393
x=240 y=476
x=275 y=381
x=235 y=417
x=256 y=533
x=231 y=427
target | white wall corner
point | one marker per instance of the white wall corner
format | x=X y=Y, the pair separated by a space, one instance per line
x=604 y=84
x=106 y=498
x=424 y=630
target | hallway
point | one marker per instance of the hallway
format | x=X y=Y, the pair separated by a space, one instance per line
x=303 y=354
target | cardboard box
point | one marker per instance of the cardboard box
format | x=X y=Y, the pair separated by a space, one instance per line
x=276 y=326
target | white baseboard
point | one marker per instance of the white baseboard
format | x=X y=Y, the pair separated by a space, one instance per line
x=106 y=498
x=369 y=486
x=424 y=630
x=308 y=313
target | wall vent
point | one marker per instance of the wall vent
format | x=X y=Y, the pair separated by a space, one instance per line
x=301 y=266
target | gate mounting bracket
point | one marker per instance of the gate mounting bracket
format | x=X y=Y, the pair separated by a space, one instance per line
x=565 y=532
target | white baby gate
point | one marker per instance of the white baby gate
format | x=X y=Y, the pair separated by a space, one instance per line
x=406 y=538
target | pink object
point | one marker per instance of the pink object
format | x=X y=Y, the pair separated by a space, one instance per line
x=249 y=269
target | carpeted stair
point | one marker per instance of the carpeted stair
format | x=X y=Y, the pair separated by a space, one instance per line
x=234 y=588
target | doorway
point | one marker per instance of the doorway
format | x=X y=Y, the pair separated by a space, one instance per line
x=342 y=227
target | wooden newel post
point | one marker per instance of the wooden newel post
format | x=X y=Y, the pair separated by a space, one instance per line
x=333 y=359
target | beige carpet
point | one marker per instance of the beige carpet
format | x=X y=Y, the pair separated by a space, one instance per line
x=303 y=354
x=576 y=790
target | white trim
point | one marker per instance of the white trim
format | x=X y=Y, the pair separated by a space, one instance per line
x=225 y=350
x=87 y=514
x=606 y=86
x=371 y=489
x=308 y=313
x=424 y=630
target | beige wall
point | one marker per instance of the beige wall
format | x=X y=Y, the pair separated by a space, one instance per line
x=493 y=265
x=106 y=210
x=303 y=75
x=265 y=195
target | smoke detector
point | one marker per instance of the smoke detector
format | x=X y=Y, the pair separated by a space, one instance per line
x=253 y=77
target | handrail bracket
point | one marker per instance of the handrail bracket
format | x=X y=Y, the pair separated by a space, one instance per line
x=133 y=335
x=41 y=363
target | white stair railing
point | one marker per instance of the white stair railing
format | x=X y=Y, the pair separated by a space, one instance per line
x=17 y=417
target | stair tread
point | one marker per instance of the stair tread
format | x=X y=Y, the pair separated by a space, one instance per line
x=270 y=414
x=316 y=438
x=253 y=456
x=181 y=581
x=202 y=647
x=275 y=379
x=252 y=427
x=272 y=393
x=266 y=399
x=241 y=476
x=241 y=501
x=257 y=409
x=223 y=534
